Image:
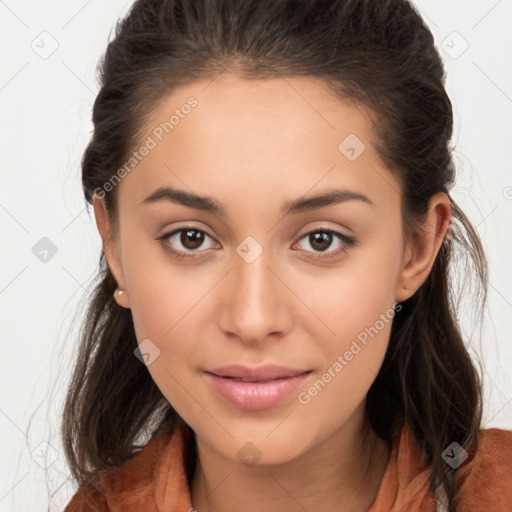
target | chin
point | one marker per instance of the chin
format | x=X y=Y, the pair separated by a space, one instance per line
x=257 y=449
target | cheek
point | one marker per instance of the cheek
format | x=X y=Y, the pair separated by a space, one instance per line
x=355 y=305
x=361 y=318
x=166 y=308
x=163 y=294
x=170 y=305
x=353 y=298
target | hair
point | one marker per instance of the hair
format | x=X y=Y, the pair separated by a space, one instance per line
x=378 y=55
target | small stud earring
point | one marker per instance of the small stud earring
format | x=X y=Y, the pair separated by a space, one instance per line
x=118 y=292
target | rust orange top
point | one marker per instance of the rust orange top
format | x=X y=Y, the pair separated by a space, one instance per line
x=154 y=479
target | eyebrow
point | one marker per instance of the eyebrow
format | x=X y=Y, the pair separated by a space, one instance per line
x=300 y=205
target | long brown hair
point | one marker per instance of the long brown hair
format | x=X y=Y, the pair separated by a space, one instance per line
x=377 y=54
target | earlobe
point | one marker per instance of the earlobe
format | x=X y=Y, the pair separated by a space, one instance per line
x=424 y=246
x=110 y=248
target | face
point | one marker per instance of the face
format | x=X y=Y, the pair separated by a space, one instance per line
x=309 y=289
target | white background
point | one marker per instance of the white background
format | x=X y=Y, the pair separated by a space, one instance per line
x=45 y=125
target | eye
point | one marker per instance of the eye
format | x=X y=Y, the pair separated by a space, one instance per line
x=190 y=238
x=321 y=239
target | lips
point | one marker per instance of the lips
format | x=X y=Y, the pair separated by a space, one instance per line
x=255 y=388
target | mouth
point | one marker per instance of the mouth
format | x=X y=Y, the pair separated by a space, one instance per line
x=260 y=388
x=239 y=379
x=261 y=373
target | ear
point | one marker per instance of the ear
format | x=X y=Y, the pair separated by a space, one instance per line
x=110 y=248
x=421 y=251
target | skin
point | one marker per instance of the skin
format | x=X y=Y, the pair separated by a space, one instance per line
x=253 y=145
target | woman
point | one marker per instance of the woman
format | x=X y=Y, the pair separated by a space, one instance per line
x=273 y=326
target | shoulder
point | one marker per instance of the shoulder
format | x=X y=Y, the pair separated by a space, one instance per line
x=484 y=479
x=131 y=484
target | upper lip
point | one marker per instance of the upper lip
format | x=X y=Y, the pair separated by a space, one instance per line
x=266 y=372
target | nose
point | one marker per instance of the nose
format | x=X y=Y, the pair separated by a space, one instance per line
x=256 y=302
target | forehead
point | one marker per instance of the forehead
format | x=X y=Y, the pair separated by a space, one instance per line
x=272 y=137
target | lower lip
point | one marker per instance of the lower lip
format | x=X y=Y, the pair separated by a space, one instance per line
x=256 y=395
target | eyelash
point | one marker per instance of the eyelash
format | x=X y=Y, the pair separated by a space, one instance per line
x=163 y=241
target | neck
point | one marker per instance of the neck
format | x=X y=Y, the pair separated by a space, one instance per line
x=341 y=473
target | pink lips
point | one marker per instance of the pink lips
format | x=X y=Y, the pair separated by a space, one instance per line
x=255 y=388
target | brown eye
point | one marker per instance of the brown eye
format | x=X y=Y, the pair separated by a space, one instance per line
x=320 y=240
x=186 y=241
x=191 y=238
